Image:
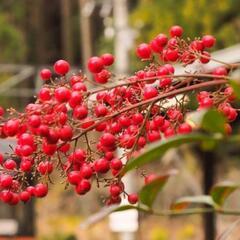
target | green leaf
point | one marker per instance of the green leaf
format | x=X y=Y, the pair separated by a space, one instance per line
x=186 y=202
x=213 y=121
x=222 y=190
x=156 y=150
x=149 y=192
x=236 y=88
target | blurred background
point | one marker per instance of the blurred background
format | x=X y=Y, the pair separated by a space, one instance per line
x=34 y=34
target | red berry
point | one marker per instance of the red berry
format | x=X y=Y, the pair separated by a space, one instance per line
x=161 y=39
x=6 y=196
x=62 y=94
x=184 y=128
x=49 y=149
x=101 y=165
x=11 y=127
x=45 y=167
x=95 y=64
x=133 y=198
x=108 y=140
x=144 y=51
x=101 y=110
x=76 y=99
x=74 y=177
x=115 y=190
x=10 y=164
x=45 y=74
x=116 y=164
x=86 y=171
x=79 y=156
x=40 y=190
x=150 y=92
x=75 y=79
x=208 y=41
x=44 y=94
x=220 y=71
x=6 y=181
x=25 y=165
x=80 y=112
x=102 y=77
x=66 y=133
x=176 y=31
x=205 y=58
x=25 y=196
x=1 y=111
x=61 y=67
x=83 y=187
x=34 y=121
x=149 y=178
x=108 y=59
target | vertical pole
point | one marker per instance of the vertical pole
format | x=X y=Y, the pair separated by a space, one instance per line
x=66 y=30
x=85 y=33
x=120 y=14
x=208 y=167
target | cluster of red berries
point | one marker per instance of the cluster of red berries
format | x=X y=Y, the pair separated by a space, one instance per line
x=174 y=49
x=130 y=114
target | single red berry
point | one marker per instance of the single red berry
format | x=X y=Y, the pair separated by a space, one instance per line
x=10 y=164
x=61 y=67
x=76 y=99
x=149 y=178
x=161 y=39
x=197 y=45
x=184 y=128
x=79 y=156
x=31 y=190
x=6 y=196
x=45 y=167
x=220 y=71
x=44 y=94
x=149 y=92
x=40 y=190
x=116 y=164
x=45 y=74
x=144 y=51
x=102 y=77
x=115 y=190
x=80 y=112
x=66 y=133
x=137 y=118
x=49 y=149
x=95 y=64
x=34 y=121
x=62 y=94
x=11 y=127
x=79 y=86
x=176 y=31
x=25 y=196
x=101 y=110
x=133 y=198
x=75 y=79
x=156 y=46
x=108 y=59
x=26 y=166
x=74 y=177
x=6 y=180
x=205 y=58
x=208 y=41
x=83 y=187
x=86 y=171
x=101 y=165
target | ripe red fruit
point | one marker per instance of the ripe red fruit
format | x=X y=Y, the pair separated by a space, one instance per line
x=76 y=99
x=1 y=158
x=10 y=164
x=11 y=127
x=205 y=58
x=184 y=128
x=220 y=71
x=153 y=136
x=74 y=177
x=208 y=41
x=116 y=164
x=25 y=196
x=143 y=51
x=115 y=190
x=149 y=178
x=45 y=167
x=83 y=187
x=156 y=46
x=149 y=92
x=45 y=74
x=102 y=77
x=133 y=198
x=161 y=39
x=62 y=94
x=176 y=31
x=80 y=112
x=31 y=190
x=26 y=139
x=101 y=165
x=79 y=86
x=101 y=110
x=108 y=59
x=79 y=156
x=25 y=165
x=61 y=67
x=197 y=45
x=66 y=133
x=171 y=55
x=6 y=180
x=137 y=118
x=40 y=190
x=49 y=149
x=86 y=171
x=108 y=140
x=26 y=150
x=44 y=94
x=95 y=64
x=6 y=196
x=34 y=121
x=15 y=199
x=1 y=111
x=75 y=79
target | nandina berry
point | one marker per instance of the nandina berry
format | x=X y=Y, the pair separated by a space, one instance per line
x=101 y=165
x=133 y=198
x=220 y=71
x=49 y=149
x=153 y=136
x=86 y=171
x=25 y=196
x=61 y=67
x=25 y=166
x=108 y=140
x=53 y=135
x=11 y=127
x=76 y=99
x=45 y=167
x=184 y=128
x=26 y=139
x=31 y=190
x=137 y=118
x=43 y=130
x=165 y=82
x=75 y=79
x=149 y=92
x=149 y=178
x=6 y=181
x=197 y=45
x=101 y=110
x=143 y=51
x=40 y=190
x=156 y=46
x=116 y=164
x=80 y=112
x=205 y=57
x=1 y=158
x=6 y=196
x=34 y=121
x=169 y=132
x=176 y=31
x=79 y=155
x=1 y=111
x=62 y=94
x=170 y=68
x=172 y=55
x=15 y=199
x=83 y=187
x=102 y=77
x=115 y=190
x=161 y=39
x=108 y=59
x=79 y=86
x=208 y=41
x=74 y=177
x=10 y=164
x=142 y=142
x=45 y=74
x=26 y=150
x=95 y=64
x=66 y=133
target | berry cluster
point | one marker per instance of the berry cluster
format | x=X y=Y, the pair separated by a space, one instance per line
x=53 y=132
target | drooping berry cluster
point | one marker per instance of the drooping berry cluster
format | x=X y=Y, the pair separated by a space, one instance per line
x=53 y=132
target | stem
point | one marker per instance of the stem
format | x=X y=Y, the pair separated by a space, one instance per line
x=155 y=99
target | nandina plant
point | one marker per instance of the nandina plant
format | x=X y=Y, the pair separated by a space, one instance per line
x=128 y=113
